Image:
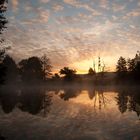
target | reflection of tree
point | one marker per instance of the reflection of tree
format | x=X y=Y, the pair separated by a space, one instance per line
x=27 y=99
x=129 y=101
x=122 y=101
x=47 y=101
x=91 y=93
x=134 y=103
x=34 y=100
x=99 y=99
x=8 y=99
x=69 y=93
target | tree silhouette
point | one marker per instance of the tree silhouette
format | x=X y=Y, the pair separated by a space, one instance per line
x=91 y=72
x=3 y=19
x=2 y=68
x=11 y=69
x=134 y=67
x=31 y=69
x=56 y=77
x=137 y=66
x=3 y=22
x=46 y=66
x=69 y=74
x=131 y=65
x=121 y=67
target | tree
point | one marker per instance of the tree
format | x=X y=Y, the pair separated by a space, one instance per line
x=69 y=74
x=121 y=67
x=134 y=67
x=137 y=66
x=91 y=72
x=2 y=68
x=46 y=66
x=11 y=69
x=31 y=69
x=56 y=77
x=3 y=22
x=3 y=19
x=131 y=65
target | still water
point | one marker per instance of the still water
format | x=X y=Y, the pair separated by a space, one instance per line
x=69 y=114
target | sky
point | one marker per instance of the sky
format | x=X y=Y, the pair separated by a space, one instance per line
x=74 y=33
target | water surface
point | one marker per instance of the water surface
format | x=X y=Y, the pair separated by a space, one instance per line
x=69 y=114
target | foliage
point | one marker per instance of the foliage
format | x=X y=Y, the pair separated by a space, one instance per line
x=3 y=22
x=131 y=65
x=3 y=19
x=10 y=68
x=121 y=67
x=46 y=66
x=2 y=68
x=56 y=76
x=69 y=74
x=34 y=69
x=31 y=69
x=91 y=71
x=129 y=68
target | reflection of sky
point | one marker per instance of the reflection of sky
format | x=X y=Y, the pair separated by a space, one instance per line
x=76 y=31
x=73 y=119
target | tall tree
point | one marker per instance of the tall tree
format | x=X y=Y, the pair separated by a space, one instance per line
x=134 y=67
x=137 y=66
x=2 y=68
x=3 y=19
x=121 y=67
x=11 y=69
x=3 y=22
x=46 y=66
x=131 y=65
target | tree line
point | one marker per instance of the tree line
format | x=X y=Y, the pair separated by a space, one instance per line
x=32 y=69
x=129 y=69
x=39 y=69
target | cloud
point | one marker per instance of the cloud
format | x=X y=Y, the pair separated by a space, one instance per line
x=57 y=7
x=76 y=34
x=104 y=4
x=44 y=1
x=118 y=7
x=85 y=6
x=134 y=13
x=44 y=15
x=15 y=4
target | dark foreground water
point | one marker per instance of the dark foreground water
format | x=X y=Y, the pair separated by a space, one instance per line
x=69 y=114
